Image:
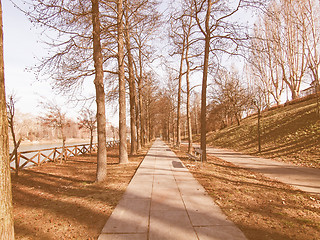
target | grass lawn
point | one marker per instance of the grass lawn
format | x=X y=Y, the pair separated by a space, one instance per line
x=289 y=134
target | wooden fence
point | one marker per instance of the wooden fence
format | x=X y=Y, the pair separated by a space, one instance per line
x=37 y=157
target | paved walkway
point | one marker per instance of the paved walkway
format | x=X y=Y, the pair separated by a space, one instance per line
x=164 y=201
x=303 y=178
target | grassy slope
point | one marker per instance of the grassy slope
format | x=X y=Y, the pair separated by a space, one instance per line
x=290 y=134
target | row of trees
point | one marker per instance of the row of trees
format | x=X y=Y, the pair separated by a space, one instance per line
x=112 y=42
x=108 y=40
x=281 y=52
x=89 y=39
x=202 y=33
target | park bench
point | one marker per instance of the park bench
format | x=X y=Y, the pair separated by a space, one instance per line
x=197 y=154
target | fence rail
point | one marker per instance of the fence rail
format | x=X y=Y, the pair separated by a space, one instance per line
x=37 y=157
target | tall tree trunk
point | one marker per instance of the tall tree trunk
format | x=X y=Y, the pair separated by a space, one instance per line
x=188 y=103
x=6 y=215
x=148 y=121
x=204 y=85
x=138 y=107
x=169 y=127
x=100 y=95
x=195 y=109
x=138 y=123
x=122 y=88
x=141 y=115
x=132 y=87
x=179 y=100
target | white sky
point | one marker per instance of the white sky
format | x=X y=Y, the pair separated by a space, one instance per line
x=22 y=48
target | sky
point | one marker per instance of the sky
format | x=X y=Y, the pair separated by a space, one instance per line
x=22 y=49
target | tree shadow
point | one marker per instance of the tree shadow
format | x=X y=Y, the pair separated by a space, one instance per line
x=67 y=196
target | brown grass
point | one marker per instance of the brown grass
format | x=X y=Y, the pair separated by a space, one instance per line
x=262 y=208
x=62 y=201
x=289 y=134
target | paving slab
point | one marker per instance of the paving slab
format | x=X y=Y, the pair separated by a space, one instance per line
x=130 y=216
x=200 y=216
x=219 y=232
x=140 y=189
x=173 y=225
x=164 y=201
x=132 y=236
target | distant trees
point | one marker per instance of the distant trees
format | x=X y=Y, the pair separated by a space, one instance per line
x=55 y=117
x=141 y=21
x=231 y=95
x=6 y=213
x=143 y=34
x=263 y=60
x=230 y=99
x=285 y=47
x=88 y=120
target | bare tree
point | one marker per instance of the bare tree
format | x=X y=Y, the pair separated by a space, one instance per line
x=230 y=94
x=311 y=37
x=132 y=84
x=100 y=95
x=144 y=24
x=122 y=90
x=88 y=120
x=188 y=30
x=293 y=47
x=220 y=35
x=55 y=117
x=210 y=18
x=71 y=59
x=11 y=121
x=285 y=36
x=179 y=39
x=264 y=54
x=285 y=46
x=6 y=213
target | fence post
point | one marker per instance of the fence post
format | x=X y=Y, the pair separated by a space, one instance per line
x=17 y=157
x=39 y=155
x=54 y=155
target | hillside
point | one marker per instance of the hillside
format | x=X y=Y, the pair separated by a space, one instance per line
x=290 y=134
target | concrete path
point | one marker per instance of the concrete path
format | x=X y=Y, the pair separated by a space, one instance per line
x=164 y=201
x=303 y=178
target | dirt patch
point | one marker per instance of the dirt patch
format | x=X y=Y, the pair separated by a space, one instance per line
x=261 y=207
x=62 y=201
